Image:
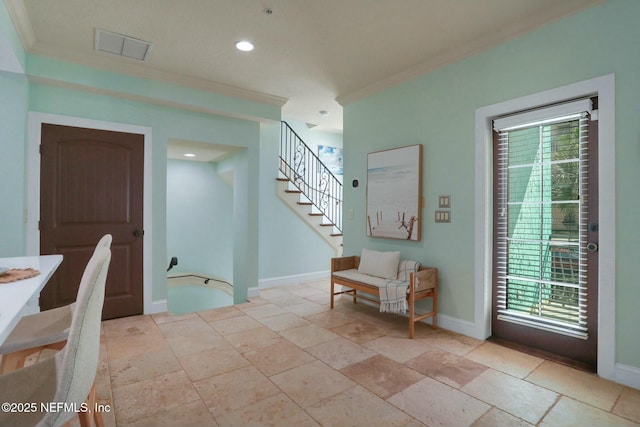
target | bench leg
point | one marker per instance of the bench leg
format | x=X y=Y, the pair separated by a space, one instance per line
x=434 y=322
x=332 y=288
x=333 y=292
x=412 y=314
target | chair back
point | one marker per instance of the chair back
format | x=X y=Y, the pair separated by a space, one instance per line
x=104 y=242
x=77 y=363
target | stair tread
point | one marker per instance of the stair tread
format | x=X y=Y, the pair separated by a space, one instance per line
x=291 y=189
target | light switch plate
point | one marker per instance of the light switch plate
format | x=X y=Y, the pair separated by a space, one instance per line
x=444 y=202
x=443 y=216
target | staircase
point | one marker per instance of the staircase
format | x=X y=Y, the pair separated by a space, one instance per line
x=309 y=188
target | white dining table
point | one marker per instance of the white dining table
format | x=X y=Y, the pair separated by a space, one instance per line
x=21 y=297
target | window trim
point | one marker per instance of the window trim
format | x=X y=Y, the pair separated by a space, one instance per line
x=604 y=88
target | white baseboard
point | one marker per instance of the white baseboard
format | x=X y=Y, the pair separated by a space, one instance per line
x=460 y=326
x=449 y=323
x=627 y=375
x=295 y=279
x=158 y=306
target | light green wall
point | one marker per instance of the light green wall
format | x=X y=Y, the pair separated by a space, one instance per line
x=200 y=219
x=171 y=112
x=12 y=55
x=313 y=137
x=14 y=90
x=167 y=123
x=188 y=98
x=288 y=246
x=246 y=165
x=438 y=111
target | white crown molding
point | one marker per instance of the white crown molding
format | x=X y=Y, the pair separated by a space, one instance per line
x=146 y=99
x=20 y=17
x=414 y=72
x=129 y=67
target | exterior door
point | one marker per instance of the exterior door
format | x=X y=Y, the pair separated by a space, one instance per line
x=545 y=290
x=91 y=184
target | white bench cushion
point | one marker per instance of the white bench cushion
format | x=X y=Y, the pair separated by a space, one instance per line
x=379 y=264
x=392 y=292
x=356 y=276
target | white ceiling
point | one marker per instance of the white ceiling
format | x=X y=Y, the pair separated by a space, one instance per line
x=202 y=151
x=312 y=53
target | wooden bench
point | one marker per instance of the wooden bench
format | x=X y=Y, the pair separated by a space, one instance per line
x=422 y=284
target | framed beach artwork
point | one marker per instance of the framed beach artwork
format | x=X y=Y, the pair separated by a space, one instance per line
x=331 y=157
x=394 y=188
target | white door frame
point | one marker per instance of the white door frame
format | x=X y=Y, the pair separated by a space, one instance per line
x=604 y=88
x=32 y=213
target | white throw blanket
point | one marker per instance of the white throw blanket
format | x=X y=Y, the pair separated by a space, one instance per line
x=393 y=296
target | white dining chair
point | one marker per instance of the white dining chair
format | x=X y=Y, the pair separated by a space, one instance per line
x=66 y=379
x=36 y=332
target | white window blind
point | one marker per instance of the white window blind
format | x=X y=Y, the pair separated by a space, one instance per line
x=541 y=195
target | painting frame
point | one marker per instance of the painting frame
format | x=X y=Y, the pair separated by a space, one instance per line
x=394 y=193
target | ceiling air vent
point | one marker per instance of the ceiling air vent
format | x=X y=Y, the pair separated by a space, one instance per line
x=122 y=45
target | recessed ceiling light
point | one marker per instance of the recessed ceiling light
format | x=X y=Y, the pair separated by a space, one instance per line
x=245 y=46
x=323 y=113
x=189 y=155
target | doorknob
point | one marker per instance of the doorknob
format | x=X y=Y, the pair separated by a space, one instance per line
x=138 y=233
x=592 y=247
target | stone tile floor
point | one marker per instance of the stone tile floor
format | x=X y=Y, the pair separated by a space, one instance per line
x=286 y=359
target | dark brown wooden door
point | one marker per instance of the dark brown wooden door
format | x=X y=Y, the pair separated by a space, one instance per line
x=91 y=184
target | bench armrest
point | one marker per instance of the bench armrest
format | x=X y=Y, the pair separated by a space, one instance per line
x=344 y=263
x=426 y=278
